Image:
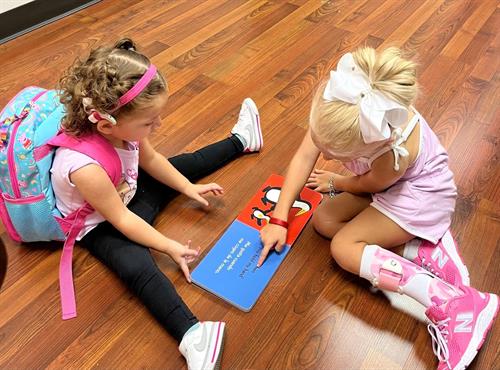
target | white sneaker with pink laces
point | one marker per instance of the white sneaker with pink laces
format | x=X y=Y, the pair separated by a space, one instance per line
x=459 y=326
x=202 y=345
x=248 y=127
x=441 y=259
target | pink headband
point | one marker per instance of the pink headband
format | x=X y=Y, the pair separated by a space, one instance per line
x=95 y=116
x=138 y=87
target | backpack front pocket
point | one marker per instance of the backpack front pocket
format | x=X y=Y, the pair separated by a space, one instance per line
x=32 y=218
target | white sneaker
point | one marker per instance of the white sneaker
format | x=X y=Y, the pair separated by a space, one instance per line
x=202 y=347
x=248 y=126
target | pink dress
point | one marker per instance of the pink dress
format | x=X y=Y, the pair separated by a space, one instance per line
x=423 y=200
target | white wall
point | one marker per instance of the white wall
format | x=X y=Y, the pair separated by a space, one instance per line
x=10 y=4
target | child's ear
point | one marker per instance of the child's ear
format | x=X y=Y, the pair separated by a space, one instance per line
x=104 y=126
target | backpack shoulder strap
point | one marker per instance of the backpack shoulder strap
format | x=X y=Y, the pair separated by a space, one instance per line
x=101 y=150
x=66 y=285
x=97 y=148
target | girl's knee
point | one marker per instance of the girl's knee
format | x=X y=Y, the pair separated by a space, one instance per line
x=323 y=226
x=339 y=251
x=135 y=269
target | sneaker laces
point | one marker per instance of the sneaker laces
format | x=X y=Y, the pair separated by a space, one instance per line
x=243 y=112
x=428 y=266
x=439 y=334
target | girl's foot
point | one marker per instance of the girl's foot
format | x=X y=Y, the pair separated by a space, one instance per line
x=442 y=259
x=247 y=129
x=459 y=327
x=202 y=345
x=319 y=180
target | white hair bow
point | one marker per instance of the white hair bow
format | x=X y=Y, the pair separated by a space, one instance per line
x=376 y=111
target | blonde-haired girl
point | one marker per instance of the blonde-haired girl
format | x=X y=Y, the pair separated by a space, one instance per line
x=118 y=94
x=402 y=188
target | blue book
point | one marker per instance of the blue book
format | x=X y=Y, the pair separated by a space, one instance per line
x=229 y=270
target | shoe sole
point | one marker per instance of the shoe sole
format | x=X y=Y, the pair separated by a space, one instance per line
x=256 y=119
x=450 y=247
x=483 y=326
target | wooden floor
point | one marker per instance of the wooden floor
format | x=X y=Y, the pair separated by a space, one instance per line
x=215 y=53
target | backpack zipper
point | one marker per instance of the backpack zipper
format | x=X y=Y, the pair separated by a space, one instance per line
x=10 y=148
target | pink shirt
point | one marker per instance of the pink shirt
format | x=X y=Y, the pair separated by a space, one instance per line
x=69 y=199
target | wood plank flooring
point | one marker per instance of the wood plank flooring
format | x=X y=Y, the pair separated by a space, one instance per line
x=214 y=53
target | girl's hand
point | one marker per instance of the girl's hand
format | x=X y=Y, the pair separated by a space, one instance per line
x=319 y=180
x=272 y=237
x=195 y=191
x=184 y=255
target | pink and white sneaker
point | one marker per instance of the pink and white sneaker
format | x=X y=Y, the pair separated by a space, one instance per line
x=248 y=127
x=202 y=345
x=441 y=259
x=459 y=326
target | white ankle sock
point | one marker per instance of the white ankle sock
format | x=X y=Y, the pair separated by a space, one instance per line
x=366 y=262
x=418 y=288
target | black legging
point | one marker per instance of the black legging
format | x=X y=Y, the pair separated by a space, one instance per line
x=134 y=263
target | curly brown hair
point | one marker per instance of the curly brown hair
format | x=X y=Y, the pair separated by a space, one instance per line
x=107 y=74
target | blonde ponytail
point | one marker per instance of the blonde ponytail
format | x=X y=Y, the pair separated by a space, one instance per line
x=389 y=73
x=336 y=123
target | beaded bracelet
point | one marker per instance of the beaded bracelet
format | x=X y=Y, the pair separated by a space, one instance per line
x=332 y=192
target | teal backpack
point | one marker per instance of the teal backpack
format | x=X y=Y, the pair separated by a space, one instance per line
x=29 y=135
